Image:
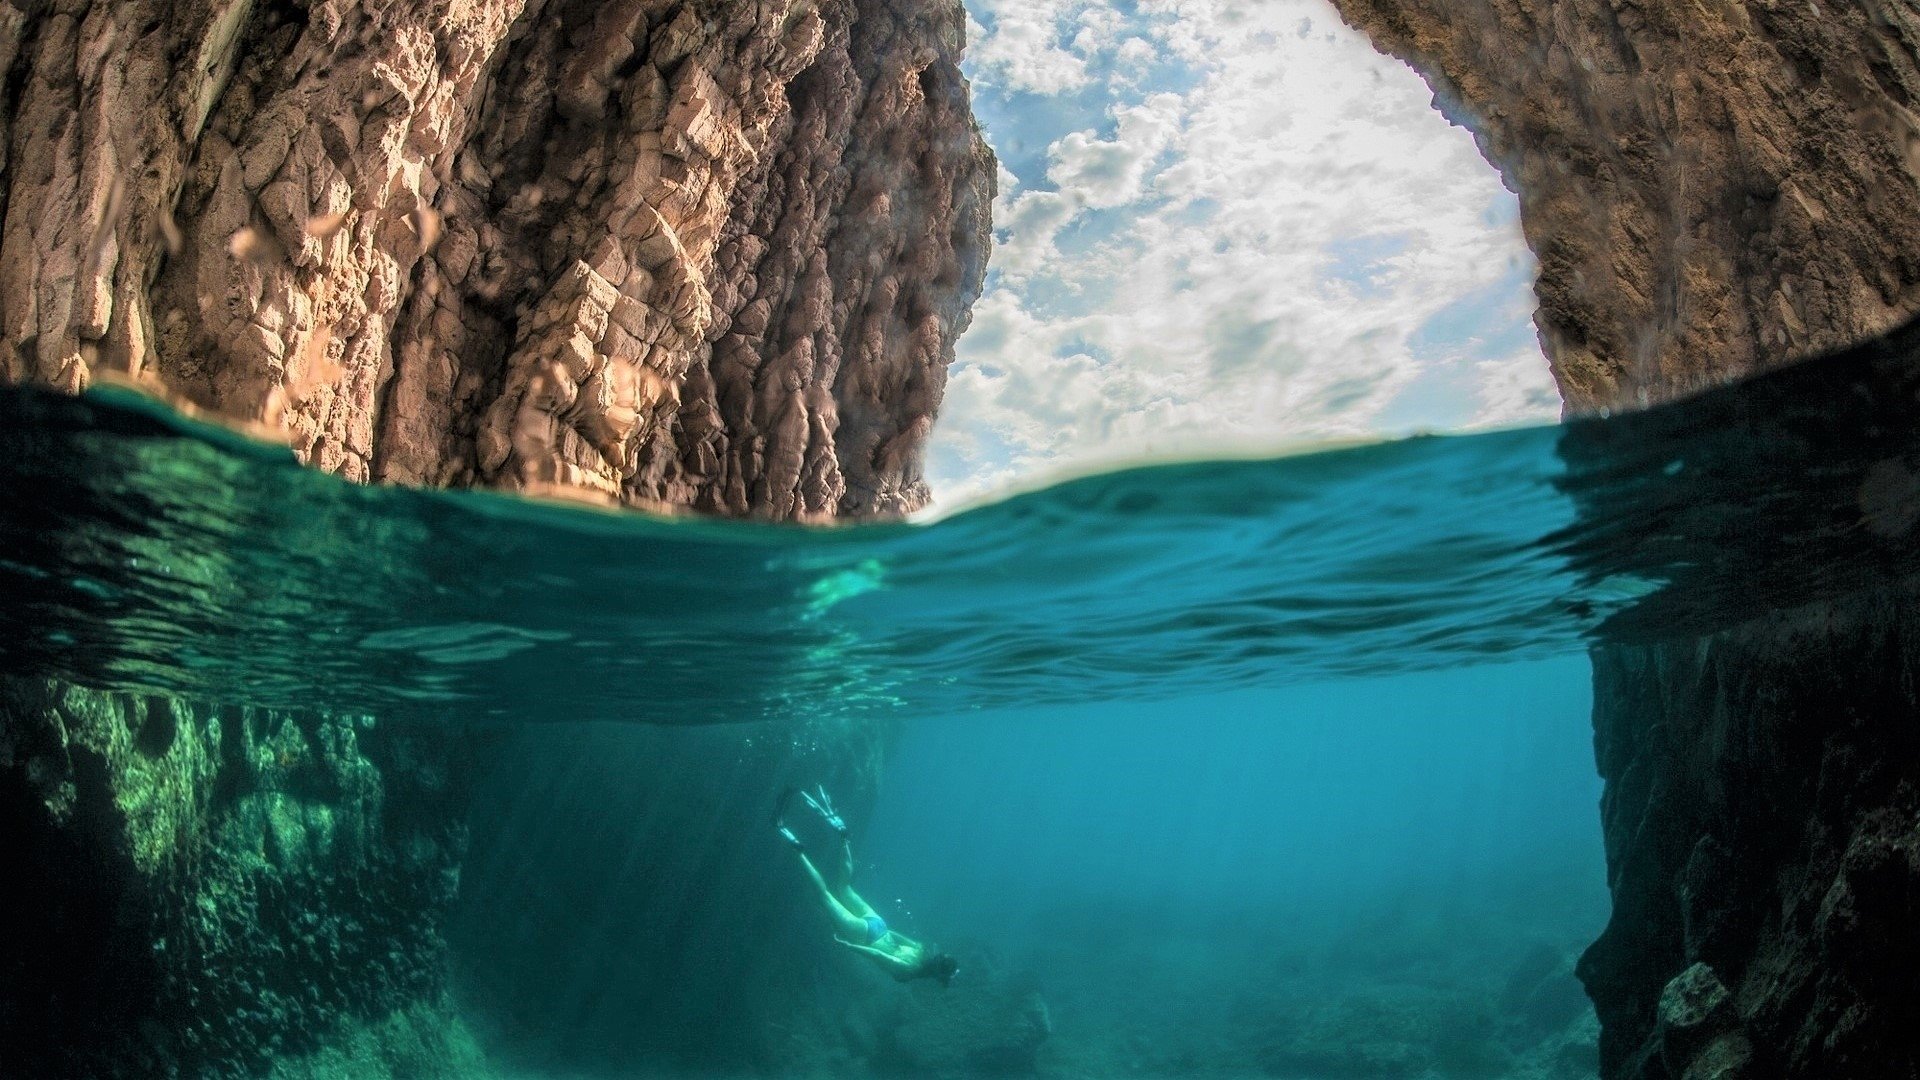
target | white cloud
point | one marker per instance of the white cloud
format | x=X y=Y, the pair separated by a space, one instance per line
x=1024 y=47
x=1105 y=173
x=1517 y=389
x=1029 y=224
x=1270 y=242
x=1131 y=58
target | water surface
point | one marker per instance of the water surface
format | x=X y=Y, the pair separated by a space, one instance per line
x=142 y=550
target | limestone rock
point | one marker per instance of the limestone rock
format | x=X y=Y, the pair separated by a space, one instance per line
x=217 y=888
x=1693 y=1008
x=988 y=1025
x=1762 y=816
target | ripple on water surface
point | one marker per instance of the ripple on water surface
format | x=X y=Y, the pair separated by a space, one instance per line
x=143 y=550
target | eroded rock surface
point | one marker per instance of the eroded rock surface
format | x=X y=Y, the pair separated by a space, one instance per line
x=1714 y=189
x=1711 y=189
x=673 y=252
x=1762 y=819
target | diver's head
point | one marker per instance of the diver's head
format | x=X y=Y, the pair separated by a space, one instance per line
x=938 y=965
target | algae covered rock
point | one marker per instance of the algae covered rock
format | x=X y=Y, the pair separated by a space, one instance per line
x=215 y=887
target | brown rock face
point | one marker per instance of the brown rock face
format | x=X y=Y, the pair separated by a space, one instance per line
x=1710 y=188
x=1713 y=189
x=673 y=252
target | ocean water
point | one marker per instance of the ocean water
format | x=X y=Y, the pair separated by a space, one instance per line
x=1274 y=767
x=1388 y=877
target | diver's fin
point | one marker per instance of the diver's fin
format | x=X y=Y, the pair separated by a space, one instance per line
x=787 y=835
x=824 y=807
x=780 y=804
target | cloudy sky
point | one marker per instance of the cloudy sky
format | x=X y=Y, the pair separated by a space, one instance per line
x=1224 y=225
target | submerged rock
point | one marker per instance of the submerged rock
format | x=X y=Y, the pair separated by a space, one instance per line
x=216 y=888
x=1543 y=998
x=1795 y=845
x=1388 y=1033
x=1694 y=1008
x=984 y=1025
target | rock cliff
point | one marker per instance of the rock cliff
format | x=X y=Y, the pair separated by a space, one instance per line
x=673 y=252
x=1714 y=189
x=1711 y=189
x=1762 y=818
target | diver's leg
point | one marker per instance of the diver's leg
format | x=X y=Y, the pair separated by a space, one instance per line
x=851 y=924
x=857 y=904
x=843 y=895
x=849 y=899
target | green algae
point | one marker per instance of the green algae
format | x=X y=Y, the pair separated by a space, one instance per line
x=161 y=759
x=424 y=1041
x=279 y=878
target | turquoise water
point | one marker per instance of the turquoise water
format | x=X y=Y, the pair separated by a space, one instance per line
x=1383 y=877
x=1272 y=767
x=1388 y=877
x=1157 y=582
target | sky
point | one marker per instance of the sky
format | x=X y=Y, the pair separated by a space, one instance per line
x=1224 y=226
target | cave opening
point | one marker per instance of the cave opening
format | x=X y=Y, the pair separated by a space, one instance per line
x=1225 y=228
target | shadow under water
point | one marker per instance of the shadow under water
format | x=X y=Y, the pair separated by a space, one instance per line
x=144 y=551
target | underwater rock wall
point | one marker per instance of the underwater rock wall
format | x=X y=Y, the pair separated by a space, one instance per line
x=206 y=891
x=1762 y=819
x=671 y=252
x=1711 y=190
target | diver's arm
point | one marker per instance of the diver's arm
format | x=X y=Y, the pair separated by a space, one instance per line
x=881 y=953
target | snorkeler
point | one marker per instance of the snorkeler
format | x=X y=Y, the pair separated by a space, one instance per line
x=860 y=927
